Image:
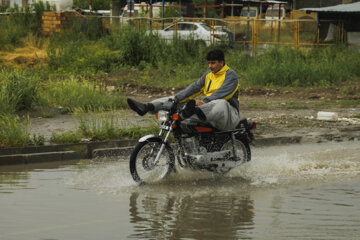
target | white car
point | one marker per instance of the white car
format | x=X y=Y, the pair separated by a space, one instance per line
x=195 y=30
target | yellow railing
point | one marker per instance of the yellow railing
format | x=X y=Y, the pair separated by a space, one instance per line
x=253 y=32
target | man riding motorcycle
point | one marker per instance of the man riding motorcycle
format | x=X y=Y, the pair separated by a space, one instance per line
x=219 y=84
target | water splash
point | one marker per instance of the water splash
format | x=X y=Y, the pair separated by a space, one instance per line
x=273 y=165
x=294 y=163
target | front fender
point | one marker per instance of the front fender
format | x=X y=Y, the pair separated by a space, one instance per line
x=150 y=136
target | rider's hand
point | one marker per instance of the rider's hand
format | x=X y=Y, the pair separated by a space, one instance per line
x=199 y=102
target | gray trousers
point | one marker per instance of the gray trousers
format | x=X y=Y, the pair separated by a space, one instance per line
x=219 y=113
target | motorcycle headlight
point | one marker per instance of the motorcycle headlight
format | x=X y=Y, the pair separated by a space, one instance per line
x=162 y=116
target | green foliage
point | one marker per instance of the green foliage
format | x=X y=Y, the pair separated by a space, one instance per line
x=99 y=127
x=73 y=53
x=65 y=137
x=38 y=140
x=71 y=94
x=19 y=23
x=102 y=126
x=286 y=66
x=107 y=125
x=135 y=46
x=13 y=131
x=96 y=4
x=171 y=12
x=18 y=90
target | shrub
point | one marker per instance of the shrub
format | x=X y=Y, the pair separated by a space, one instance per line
x=18 y=90
x=286 y=66
x=13 y=131
x=20 y=23
x=74 y=53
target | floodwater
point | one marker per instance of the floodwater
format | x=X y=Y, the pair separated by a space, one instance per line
x=287 y=192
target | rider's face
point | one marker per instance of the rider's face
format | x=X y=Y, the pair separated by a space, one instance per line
x=215 y=65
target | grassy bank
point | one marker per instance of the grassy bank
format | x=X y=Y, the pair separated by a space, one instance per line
x=74 y=74
x=21 y=90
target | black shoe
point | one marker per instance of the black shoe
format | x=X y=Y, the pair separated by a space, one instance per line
x=140 y=108
x=189 y=109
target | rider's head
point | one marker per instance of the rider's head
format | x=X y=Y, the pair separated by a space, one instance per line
x=216 y=60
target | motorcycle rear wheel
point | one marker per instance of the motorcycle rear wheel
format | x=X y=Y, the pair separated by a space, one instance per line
x=242 y=149
x=142 y=167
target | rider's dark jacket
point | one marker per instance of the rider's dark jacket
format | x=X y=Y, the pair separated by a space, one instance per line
x=223 y=84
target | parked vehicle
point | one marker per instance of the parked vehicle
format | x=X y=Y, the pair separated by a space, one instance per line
x=276 y=12
x=196 y=30
x=199 y=146
x=250 y=12
x=228 y=31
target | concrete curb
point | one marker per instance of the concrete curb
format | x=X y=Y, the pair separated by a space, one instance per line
x=39 y=157
x=89 y=150
x=61 y=152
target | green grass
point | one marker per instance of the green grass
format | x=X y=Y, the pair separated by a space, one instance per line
x=295 y=105
x=13 y=131
x=65 y=137
x=71 y=93
x=286 y=66
x=18 y=90
x=21 y=22
x=102 y=126
x=108 y=125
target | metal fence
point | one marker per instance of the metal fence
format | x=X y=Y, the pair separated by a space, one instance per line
x=255 y=33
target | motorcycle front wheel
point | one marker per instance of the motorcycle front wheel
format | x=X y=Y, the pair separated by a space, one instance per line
x=143 y=168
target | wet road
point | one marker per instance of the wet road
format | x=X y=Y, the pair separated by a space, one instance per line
x=289 y=192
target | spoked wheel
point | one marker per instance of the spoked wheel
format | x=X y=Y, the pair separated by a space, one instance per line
x=143 y=167
x=242 y=148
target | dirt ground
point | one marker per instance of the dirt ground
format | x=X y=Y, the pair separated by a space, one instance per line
x=277 y=113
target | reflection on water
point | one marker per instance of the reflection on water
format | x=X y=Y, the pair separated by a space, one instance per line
x=190 y=216
x=285 y=192
x=13 y=179
x=17 y=176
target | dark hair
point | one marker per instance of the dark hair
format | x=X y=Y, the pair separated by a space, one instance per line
x=214 y=55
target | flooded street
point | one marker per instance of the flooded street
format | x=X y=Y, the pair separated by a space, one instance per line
x=285 y=192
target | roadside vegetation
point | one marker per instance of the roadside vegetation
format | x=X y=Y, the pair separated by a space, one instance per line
x=100 y=126
x=79 y=63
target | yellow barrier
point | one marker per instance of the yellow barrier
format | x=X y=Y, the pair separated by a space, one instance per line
x=255 y=32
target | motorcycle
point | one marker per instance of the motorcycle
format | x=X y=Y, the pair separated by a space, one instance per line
x=198 y=146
